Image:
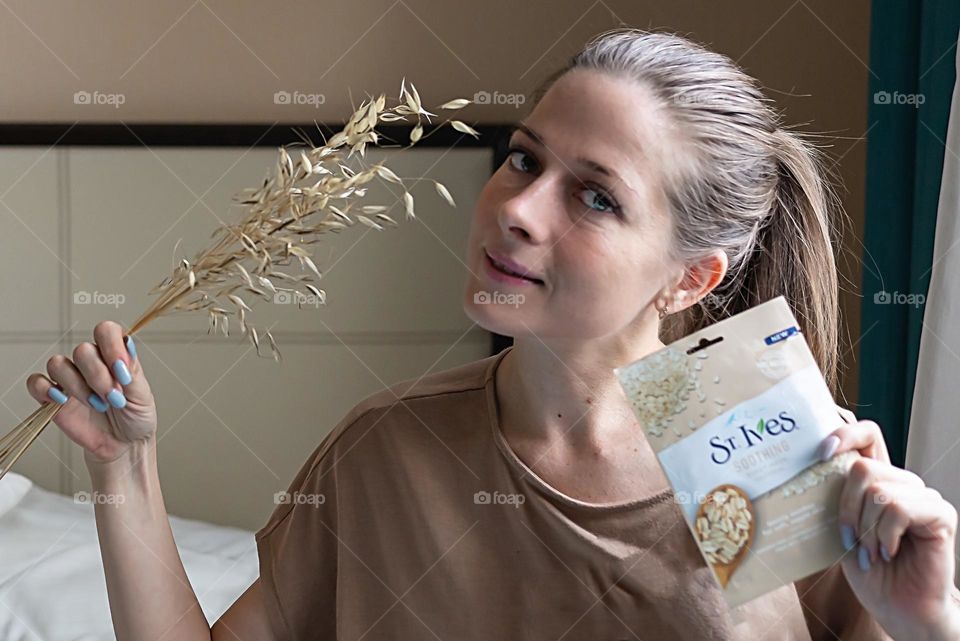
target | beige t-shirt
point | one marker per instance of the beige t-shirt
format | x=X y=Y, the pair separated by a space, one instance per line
x=414 y=519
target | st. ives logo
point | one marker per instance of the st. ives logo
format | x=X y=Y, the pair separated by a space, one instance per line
x=747 y=436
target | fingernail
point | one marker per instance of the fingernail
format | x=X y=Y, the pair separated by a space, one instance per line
x=96 y=403
x=828 y=447
x=884 y=553
x=117 y=399
x=846 y=534
x=131 y=347
x=122 y=373
x=863 y=558
x=57 y=395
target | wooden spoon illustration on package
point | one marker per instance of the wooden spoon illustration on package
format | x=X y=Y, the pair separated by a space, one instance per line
x=725 y=527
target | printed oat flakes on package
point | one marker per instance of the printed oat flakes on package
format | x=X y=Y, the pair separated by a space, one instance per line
x=735 y=413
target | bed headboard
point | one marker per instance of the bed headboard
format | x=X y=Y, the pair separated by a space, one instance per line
x=91 y=215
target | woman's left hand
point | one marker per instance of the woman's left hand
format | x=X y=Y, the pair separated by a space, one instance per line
x=900 y=536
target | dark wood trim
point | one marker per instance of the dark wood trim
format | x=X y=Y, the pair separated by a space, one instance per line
x=226 y=135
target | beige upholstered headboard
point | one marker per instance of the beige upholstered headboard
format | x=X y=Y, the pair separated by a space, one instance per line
x=88 y=230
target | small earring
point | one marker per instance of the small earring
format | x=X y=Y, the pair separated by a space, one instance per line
x=662 y=312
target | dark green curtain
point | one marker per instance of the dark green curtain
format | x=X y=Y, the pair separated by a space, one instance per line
x=912 y=75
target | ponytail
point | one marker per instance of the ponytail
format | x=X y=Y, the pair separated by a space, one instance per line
x=792 y=255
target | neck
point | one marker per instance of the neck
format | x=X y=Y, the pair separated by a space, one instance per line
x=566 y=391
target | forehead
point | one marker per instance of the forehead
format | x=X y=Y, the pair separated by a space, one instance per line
x=587 y=111
x=612 y=119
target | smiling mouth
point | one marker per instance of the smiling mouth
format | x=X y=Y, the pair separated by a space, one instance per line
x=506 y=270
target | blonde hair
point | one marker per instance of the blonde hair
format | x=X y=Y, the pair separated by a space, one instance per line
x=754 y=189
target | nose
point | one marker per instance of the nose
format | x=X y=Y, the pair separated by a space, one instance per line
x=524 y=213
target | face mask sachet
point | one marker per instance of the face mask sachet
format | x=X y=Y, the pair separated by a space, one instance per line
x=736 y=413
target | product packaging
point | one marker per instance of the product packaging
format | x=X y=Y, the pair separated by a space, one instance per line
x=736 y=413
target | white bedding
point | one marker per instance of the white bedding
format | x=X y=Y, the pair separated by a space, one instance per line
x=51 y=576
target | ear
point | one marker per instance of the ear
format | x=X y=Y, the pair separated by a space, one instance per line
x=697 y=281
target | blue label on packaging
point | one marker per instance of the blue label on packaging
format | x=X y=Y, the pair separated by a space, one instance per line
x=781 y=335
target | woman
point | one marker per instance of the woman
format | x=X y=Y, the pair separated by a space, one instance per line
x=650 y=192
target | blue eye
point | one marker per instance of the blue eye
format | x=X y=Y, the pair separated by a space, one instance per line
x=512 y=154
x=601 y=202
x=601 y=199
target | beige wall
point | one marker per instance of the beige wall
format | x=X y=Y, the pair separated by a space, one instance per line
x=210 y=61
x=100 y=224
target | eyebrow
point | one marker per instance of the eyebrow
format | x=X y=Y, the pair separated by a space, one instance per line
x=586 y=162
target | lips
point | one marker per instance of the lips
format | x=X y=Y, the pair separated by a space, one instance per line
x=511 y=267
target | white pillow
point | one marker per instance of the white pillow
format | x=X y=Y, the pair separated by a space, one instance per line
x=13 y=487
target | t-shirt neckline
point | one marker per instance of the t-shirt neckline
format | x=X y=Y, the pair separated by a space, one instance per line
x=532 y=477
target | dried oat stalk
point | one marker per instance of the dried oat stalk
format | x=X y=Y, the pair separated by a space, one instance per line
x=309 y=193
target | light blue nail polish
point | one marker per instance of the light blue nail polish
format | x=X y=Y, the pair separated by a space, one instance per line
x=121 y=372
x=97 y=404
x=117 y=399
x=828 y=447
x=863 y=558
x=131 y=347
x=884 y=553
x=57 y=395
x=846 y=535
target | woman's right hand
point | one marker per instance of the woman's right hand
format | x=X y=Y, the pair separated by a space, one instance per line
x=109 y=406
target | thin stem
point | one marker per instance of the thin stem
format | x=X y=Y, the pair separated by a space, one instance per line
x=27 y=433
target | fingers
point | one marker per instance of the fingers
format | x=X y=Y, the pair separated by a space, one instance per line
x=892 y=510
x=119 y=354
x=863 y=436
x=883 y=501
x=905 y=508
x=43 y=390
x=87 y=358
x=69 y=379
x=862 y=500
x=99 y=375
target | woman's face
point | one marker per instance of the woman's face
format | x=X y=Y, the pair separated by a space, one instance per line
x=594 y=242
